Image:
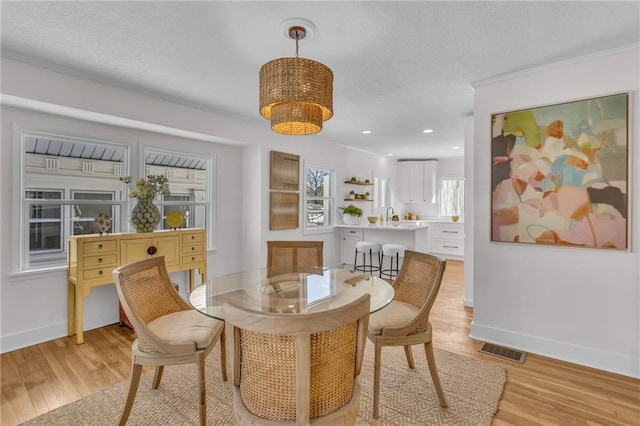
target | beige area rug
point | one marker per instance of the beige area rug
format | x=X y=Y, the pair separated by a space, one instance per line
x=473 y=389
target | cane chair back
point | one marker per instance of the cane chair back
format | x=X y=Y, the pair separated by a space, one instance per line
x=300 y=369
x=296 y=254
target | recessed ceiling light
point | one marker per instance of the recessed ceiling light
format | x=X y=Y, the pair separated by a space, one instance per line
x=455 y=147
x=427 y=131
x=366 y=132
x=390 y=155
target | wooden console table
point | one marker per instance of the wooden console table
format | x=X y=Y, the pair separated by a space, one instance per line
x=93 y=257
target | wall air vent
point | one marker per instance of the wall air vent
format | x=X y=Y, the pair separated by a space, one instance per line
x=502 y=352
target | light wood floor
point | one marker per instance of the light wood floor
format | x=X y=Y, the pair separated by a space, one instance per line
x=541 y=391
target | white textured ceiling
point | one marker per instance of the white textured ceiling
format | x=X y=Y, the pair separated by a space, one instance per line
x=399 y=67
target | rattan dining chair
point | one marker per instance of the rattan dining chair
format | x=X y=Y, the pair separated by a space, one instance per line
x=405 y=321
x=303 y=254
x=298 y=369
x=169 y=330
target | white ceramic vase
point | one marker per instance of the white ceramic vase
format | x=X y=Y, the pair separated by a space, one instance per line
x=350 y=220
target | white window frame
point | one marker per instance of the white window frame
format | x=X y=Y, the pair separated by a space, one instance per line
x=23 y=257
x=330 y=203
x=208 y=203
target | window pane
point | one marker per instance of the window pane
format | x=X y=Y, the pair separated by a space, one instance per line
x=317 y=213
x=38 y=211
x=45 y=236
x=84 y=216
x=318 y=182
x=188 y=177
x=452 y=197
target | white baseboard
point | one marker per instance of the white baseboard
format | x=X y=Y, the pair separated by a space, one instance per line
x=627 y=365
x=468 y=303
x=54 y=331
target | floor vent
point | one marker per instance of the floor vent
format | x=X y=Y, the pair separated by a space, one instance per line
x=502 y=352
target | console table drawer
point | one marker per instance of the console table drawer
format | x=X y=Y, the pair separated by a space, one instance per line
x=97 y=247
x=194 y=258
x=91 y=274
x=93 y=261
x=194 y=248
x=195 y=237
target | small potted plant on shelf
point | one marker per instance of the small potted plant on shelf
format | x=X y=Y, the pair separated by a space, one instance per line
x=351 y=214
x=354 y=179
x=367 y=181
x=352 y=195
x=366 y=195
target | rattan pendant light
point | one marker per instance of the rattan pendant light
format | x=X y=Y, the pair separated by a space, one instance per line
x=296 y=94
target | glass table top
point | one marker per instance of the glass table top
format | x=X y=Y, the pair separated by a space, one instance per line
x=290 y=291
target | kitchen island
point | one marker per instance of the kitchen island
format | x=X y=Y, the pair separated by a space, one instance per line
x=413 y=235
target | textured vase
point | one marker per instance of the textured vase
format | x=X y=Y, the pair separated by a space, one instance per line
x=145 y=216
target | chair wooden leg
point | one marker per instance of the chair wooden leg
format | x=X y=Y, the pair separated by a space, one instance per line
x=201 y=389
x=376 y=378
x=223 y=353
x=157 y=376
x=431 y=360
x=136 y=371
x=409 y=355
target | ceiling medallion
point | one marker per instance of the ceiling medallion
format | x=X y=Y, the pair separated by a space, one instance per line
x=296 y=94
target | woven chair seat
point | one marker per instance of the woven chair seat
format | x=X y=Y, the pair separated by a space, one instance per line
x=395 y=314
x=187 y=326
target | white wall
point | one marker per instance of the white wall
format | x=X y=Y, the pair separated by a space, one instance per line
x=579 y=305
x=33 y=306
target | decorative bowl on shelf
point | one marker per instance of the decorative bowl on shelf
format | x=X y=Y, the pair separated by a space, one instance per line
x=372 y=219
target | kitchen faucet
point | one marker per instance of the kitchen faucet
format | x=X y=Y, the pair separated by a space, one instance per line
x=392 y=212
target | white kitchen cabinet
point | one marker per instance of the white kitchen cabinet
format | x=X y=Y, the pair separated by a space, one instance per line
x=417 y=181
x=350 y=236
x=447 y=239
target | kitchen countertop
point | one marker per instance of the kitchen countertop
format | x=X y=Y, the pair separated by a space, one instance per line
x=393 y=226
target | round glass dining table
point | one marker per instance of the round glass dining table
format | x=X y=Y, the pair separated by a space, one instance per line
x=290 y=291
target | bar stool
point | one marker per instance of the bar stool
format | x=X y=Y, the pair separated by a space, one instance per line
x=391 y=250
x=367 y=247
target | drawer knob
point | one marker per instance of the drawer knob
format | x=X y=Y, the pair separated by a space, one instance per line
x=193 y=248
x=193 y=237
x=100 y=246
x=100 y=260
x=100 y=272
x=193 y=258
x=152 y=250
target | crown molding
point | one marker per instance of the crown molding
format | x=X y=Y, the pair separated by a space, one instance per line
x=555 y=65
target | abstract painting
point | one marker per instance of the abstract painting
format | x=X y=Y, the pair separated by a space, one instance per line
x=560 y=174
